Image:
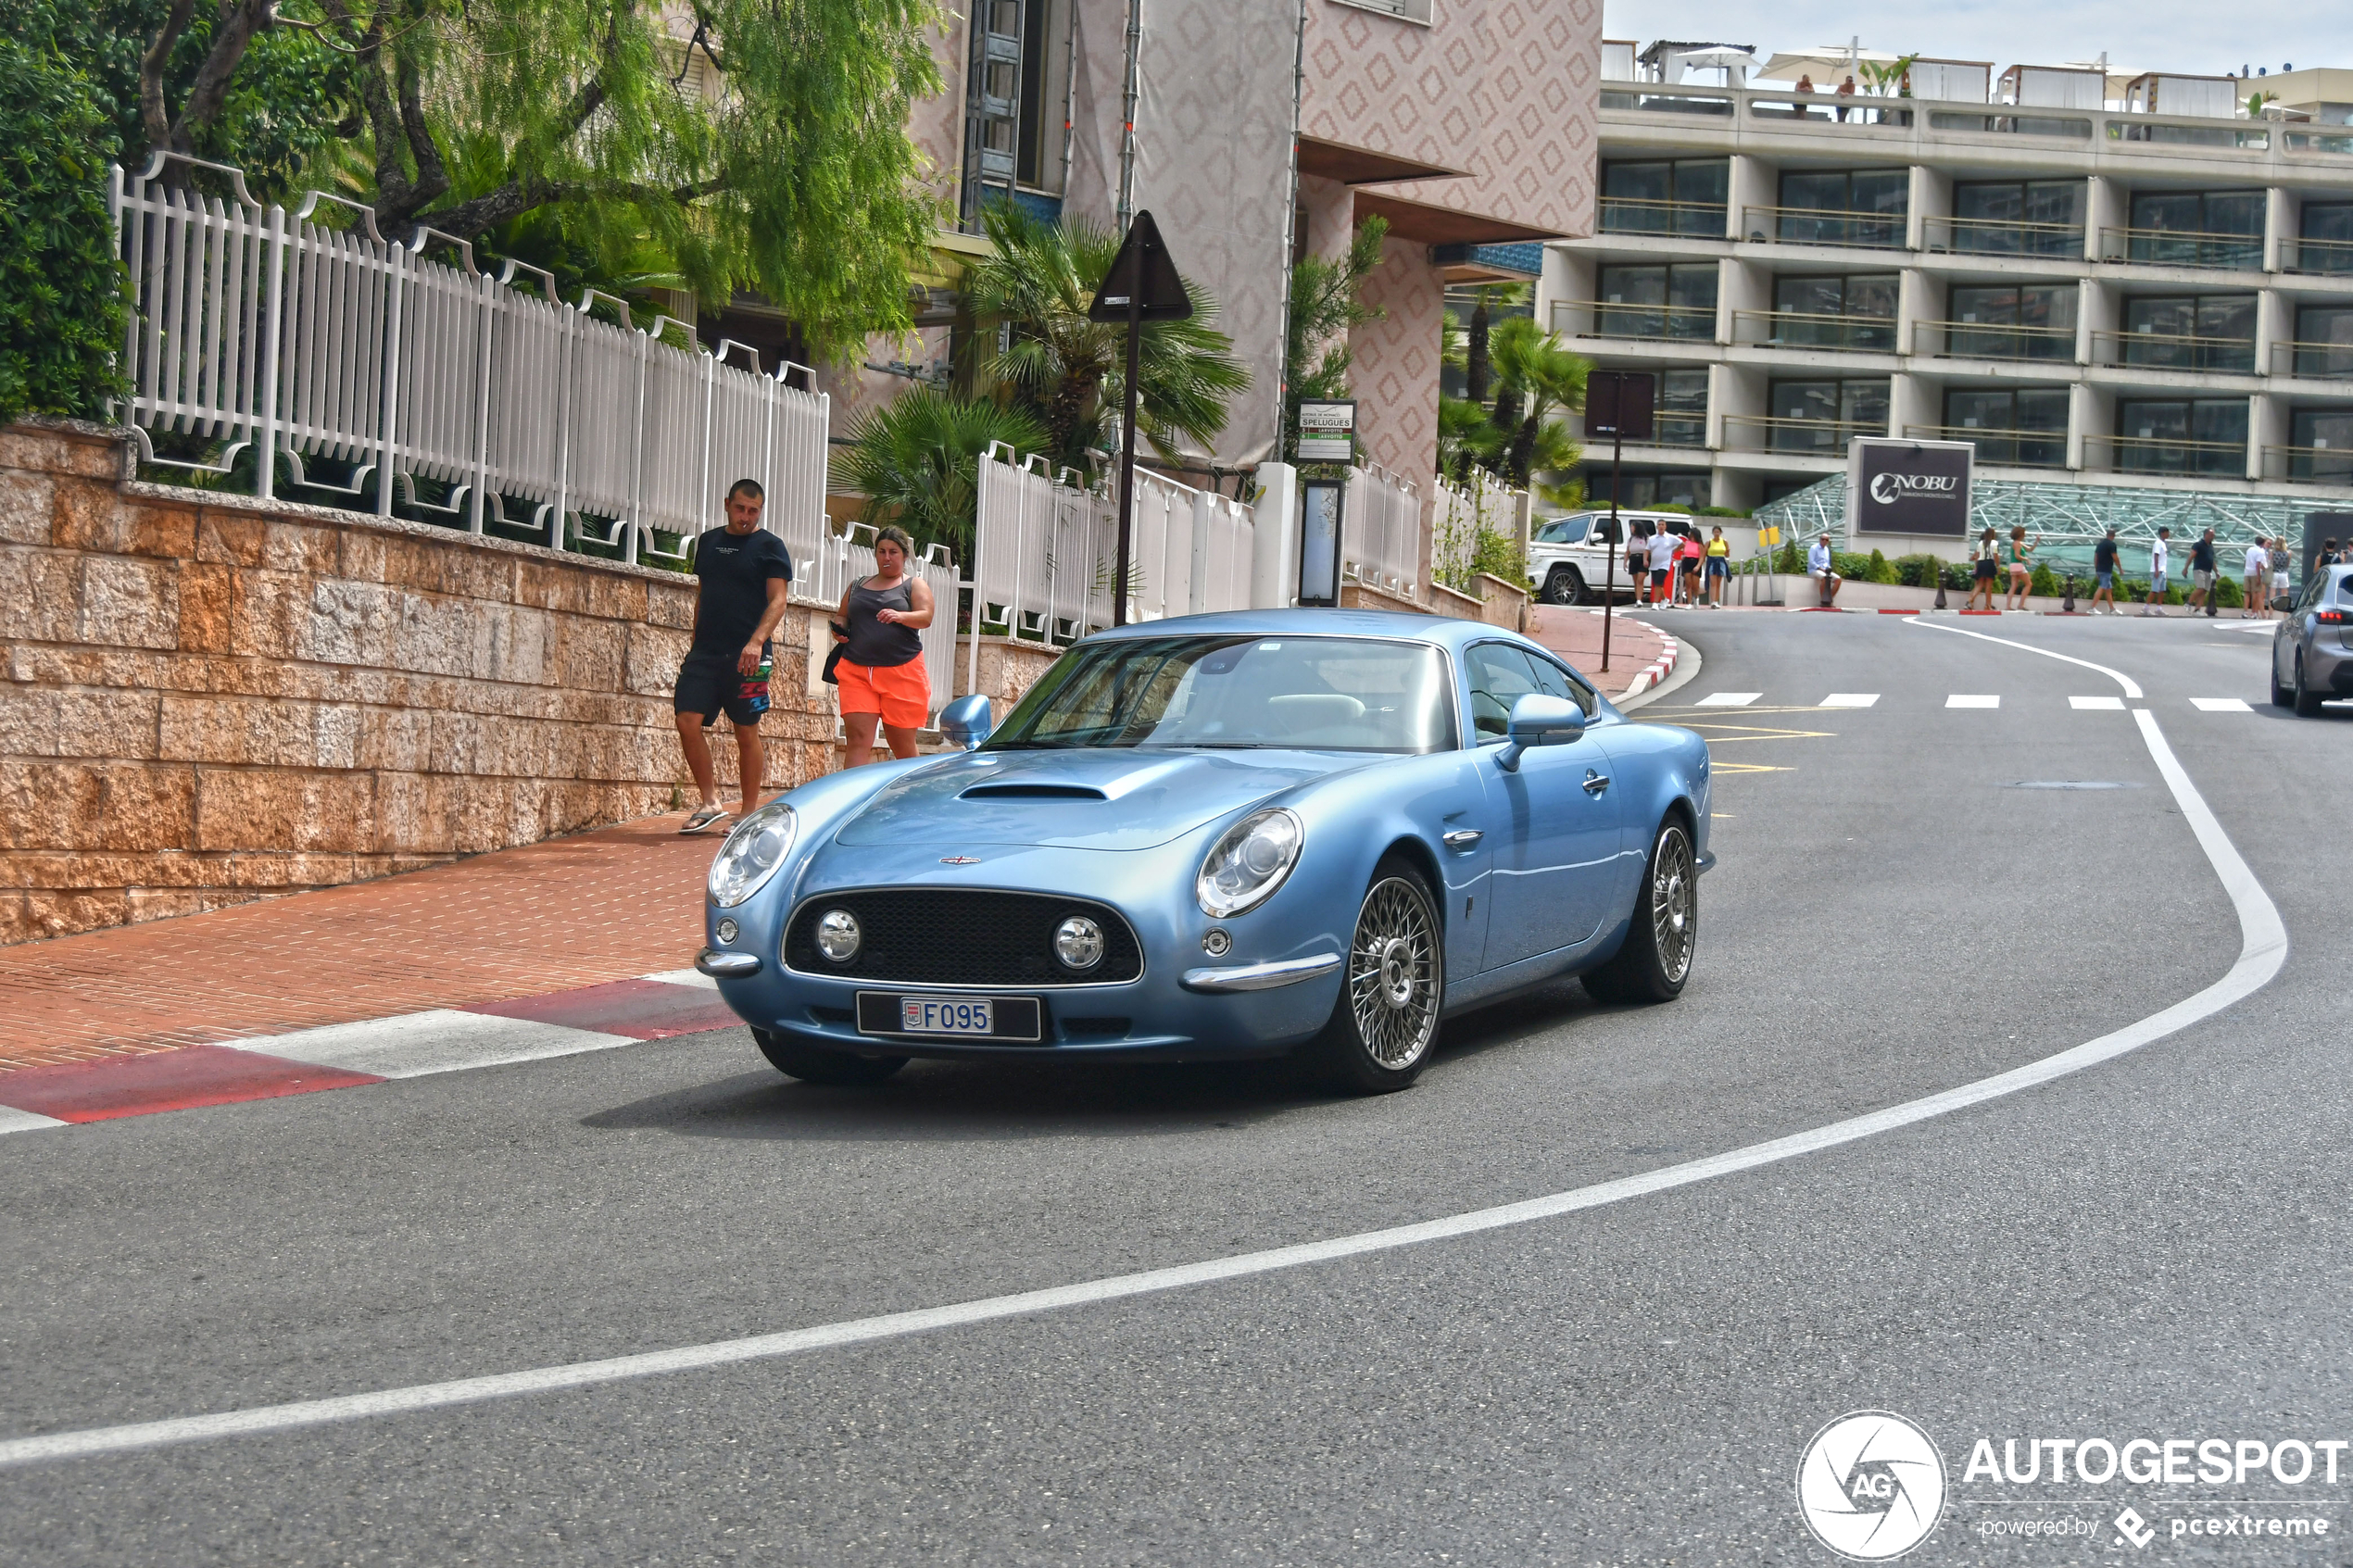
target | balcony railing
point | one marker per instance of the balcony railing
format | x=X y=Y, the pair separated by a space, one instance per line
x=2308 y=465
x=1679 y=426
x=1610 y=318
x=1820 y=438
x=2317 y=255
x=2178 y=247
x=1665 y=100
x=1992 y=340
x=2130 y=454
x=1827 y=109
x=1641 y=215
x=2323 y=361
x=2017 y=449
x=1798 y=329
x=1997 y=236
x=1818 y=226
x=2175 y=351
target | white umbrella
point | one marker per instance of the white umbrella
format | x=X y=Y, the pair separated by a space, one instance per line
x=1833 y=62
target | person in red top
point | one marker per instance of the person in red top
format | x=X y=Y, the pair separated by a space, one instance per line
x=1688 y=556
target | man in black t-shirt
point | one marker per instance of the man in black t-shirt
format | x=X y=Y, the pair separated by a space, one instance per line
x=2103 y=574
x=745 y=575
x=2202 y=574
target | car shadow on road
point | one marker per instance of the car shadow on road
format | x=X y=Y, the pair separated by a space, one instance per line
x=1020 y=1100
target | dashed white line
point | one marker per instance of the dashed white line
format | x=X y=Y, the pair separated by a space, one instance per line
x=1850 y=699
x=1728 y=699
x=2220 y=705
x=1959 y=700
x=2096 y=704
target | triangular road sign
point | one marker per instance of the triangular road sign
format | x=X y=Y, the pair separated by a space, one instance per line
x=1143 y=268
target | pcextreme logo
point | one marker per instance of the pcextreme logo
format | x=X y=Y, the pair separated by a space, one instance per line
x=1872 y=1486
x=1889 y=488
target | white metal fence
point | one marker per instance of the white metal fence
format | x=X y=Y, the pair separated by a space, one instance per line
x=1459 y=516
x=1381 y=531
x=253 y=328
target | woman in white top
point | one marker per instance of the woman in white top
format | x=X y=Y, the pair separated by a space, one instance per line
x=2259 y=580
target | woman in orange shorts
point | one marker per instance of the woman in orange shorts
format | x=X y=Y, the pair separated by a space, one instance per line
x=882 y=674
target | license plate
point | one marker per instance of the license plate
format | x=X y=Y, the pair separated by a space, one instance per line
x=946 y=1015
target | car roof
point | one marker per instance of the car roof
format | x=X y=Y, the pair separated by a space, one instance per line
x=1437 y=630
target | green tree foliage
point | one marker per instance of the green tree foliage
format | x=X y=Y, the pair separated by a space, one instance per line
x=916 y=460
x=60 y=285
x=1068 y=373
x=1326 y=304
x=1536 y=379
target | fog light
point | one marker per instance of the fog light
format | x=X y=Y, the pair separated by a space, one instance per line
x=1078 y=942
x=728 y=931
x=1218 y=943
x=837 y=936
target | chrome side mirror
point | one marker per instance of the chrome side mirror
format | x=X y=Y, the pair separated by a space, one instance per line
x=967 y=721
x=1539 y=720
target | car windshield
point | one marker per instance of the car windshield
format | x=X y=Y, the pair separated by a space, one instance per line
x=1563 y=531
x=1308 y=694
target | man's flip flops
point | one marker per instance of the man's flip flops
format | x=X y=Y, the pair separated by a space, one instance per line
x=702 y=817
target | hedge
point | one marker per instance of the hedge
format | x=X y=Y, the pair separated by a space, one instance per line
x=61 y=287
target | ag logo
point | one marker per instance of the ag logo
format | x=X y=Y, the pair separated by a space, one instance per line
x=1872 y=1486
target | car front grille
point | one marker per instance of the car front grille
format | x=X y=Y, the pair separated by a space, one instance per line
x=958 y=936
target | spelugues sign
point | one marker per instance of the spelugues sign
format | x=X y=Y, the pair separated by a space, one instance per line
x=1908 y=488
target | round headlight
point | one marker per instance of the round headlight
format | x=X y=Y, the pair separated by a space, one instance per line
x=1248 y=862
x=753 y=851
x=1078 y=943
x=837 y=936
x=728 y=931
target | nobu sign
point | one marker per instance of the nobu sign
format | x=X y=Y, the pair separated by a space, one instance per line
x=1908 y=488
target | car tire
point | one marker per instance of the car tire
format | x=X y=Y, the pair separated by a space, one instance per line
x=2308 y=701
x=1564 y=585
x=1654 y=961
x=1384 y=1024
x=814 y=1064
x=2280 y=697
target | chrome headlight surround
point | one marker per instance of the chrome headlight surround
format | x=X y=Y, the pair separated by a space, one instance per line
x=1248 y=862
x=754 y=849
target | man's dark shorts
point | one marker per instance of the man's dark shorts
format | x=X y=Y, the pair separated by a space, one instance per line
x=709 y=684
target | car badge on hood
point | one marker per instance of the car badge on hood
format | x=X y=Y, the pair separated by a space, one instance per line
x=960 y=860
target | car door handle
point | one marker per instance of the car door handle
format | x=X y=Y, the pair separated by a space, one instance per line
x=1596 y=783
x=1462 y=839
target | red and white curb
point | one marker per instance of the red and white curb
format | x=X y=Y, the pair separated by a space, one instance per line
x=344 y=1056
x=1657 y=670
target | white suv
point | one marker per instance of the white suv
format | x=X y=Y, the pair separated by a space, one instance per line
x=1568 y=557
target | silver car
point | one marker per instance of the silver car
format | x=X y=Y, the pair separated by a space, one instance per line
x=2312 y=651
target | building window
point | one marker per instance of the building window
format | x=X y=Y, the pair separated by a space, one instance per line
x=1854 y=311
x=1681 y=417
x=1658 y=488
x=1860 y=206
x=2027 y=425
x=2322 y=449
x=2198 y=436
x=1657 y=302
x=2212 y=331
x=2197 y=228
x=2019 y=217
x=2012 y=322
x=2324 y=341
x=2326 y=238
x=1821 y=416
x=1403 y=11
x=1681 y=196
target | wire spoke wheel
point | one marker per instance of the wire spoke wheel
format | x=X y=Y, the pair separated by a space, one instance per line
x=1393 y=974
x=1674 y=904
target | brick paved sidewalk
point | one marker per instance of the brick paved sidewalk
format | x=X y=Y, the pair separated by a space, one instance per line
x=1576 y=635
x=572 y=911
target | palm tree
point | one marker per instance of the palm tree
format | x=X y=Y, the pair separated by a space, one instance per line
x=917 y=460
x=1536 y=378
x=1064 y=370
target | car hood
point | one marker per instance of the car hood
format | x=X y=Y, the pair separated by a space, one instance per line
x=1080 y=798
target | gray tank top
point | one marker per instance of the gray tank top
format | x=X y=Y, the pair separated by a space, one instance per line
x=874 y=643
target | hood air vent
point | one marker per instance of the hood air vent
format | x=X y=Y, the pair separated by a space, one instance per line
x=1033 y=791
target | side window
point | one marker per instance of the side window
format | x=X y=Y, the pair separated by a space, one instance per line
x=1498 y=677
x=1554 y=681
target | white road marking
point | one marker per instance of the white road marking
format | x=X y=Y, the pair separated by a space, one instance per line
x=683 y=977
x=2096 y=704
x=1958 y=700
x=1850 y=699
x=2220 y=705
x=1728 y=699
x=14 y=1120
x=2262 y=948
x=2132 y=687
x=416 y=1043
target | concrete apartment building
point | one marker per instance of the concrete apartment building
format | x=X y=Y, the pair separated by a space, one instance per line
x=1263 y=130
x=2097 y=277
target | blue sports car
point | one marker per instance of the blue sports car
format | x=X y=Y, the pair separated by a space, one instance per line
x=1222 y=836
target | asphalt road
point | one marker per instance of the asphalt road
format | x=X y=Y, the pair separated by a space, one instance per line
x=2157 y=1246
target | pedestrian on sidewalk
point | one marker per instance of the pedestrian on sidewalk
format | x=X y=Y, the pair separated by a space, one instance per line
x=2157 y=574
x=1663 y=547
x=2022 y=570
x=1689 y=555
x=2257 y=579
x=2329 y=555
x=743 y=574
x=1989 y=567
x=2202 y=568
x=1819 y=565
x=2104 y=573
x=2280 y=558
x=881 y=672
x=1720 y=566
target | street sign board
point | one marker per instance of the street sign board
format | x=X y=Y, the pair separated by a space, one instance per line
x=1916 y=488
x=1144 y=271
x=1328 y=431
x=1618 y=403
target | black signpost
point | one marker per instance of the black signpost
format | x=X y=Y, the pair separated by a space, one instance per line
x=1141 y=285
x=1619 y=404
